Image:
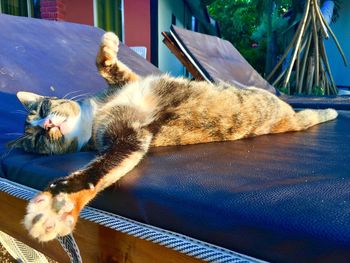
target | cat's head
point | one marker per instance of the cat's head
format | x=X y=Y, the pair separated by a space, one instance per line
x=52 y=125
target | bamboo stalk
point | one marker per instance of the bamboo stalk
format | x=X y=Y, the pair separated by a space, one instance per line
x=310 y=75
x=304 y=43
x=306 y=53
x=279 y=78
x=299 y=56
x=290 y=46
x=298 y=65
x=315 y=37
x=320 y=64
x=328 y=86
x=298 y=68
x=322 y=21
x=323 y=82
x=289 y=71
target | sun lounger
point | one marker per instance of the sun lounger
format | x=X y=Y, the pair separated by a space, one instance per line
x=214 y=59
x=141 y=218
x=279 y=198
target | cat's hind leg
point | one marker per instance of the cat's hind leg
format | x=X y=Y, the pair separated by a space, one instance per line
x=110 y=68
x=55 y=211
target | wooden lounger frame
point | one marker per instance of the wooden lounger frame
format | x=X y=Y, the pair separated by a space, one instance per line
x=168 y=41
x=96 y=242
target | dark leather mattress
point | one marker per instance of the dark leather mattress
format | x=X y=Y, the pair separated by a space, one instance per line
x=277 y=197
x=282 y=198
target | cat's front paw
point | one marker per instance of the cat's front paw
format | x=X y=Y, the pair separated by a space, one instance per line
x=107 y=55
x=51 y=216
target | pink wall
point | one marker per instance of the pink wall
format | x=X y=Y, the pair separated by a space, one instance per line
x=137 y=24
x=137 y=17
x=79 y=11
x=52 y=9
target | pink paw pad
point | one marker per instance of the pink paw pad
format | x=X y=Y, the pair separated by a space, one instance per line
x=48 y=217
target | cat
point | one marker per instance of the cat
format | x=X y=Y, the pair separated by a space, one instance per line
x=132 y=115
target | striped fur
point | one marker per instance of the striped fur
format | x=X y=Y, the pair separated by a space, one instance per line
x=136 y=113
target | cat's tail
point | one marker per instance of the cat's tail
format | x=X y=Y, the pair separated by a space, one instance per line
x=302 y=120
x=307 y=118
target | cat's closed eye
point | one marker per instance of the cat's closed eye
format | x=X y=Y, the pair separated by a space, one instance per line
x=44 y=108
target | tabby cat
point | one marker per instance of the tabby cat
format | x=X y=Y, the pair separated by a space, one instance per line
x=136 y=113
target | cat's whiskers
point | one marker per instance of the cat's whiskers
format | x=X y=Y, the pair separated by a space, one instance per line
x=80 y=95
x=23 y=136
x=13 y=133
x=24 y=111
x=70 y=93
x=7 y=153
x=13 y=145
x=19 y=112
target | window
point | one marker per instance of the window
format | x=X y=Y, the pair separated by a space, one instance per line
x=29 y=8
x=108 y=15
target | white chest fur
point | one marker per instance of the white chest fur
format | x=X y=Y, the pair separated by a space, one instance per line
x=138 y=95
x=84 y=123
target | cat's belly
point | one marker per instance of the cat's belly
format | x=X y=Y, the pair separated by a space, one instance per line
x=222 y=122
x=192 y=131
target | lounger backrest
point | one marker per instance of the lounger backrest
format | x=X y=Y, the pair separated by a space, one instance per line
x=53 y=58
x=217 y=59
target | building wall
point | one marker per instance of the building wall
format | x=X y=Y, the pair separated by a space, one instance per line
x=137 y=24
x=137 y=29
x=341 y=73
x=167 y=62
x=52 y=10
x=76 y=11
x=79 y=11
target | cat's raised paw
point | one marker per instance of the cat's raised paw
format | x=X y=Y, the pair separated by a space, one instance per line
x=108 y=49
x=50 y=216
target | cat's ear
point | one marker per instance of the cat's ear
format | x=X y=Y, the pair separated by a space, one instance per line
x=29 y=99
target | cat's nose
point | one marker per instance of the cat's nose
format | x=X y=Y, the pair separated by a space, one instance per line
x=48 y=124
x=44 y=123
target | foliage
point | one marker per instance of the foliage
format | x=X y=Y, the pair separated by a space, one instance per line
x=238 y=21
x=245 y=24
x=279 y=24
x=318 y=91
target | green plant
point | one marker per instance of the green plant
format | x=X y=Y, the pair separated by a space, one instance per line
x=238 y=20
x=243 y=23
x=318 y=91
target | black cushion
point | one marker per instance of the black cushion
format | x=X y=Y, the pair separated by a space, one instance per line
x=283 y=198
